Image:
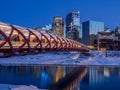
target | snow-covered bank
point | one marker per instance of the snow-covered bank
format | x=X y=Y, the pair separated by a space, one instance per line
x=97 y=58
x=7 y=86
x=26 y=88
x=106 y=53
x=38 y=59
x=17 y=87
x=103 y=58
x=101 y=61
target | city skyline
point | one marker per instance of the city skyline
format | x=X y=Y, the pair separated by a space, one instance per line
x=30 y=13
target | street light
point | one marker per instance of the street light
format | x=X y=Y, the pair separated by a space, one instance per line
x=98 y=42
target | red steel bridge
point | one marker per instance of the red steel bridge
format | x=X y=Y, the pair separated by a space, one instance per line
x=16 y=40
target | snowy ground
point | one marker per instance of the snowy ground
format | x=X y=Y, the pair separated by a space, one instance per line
x=97 y=58
x=104 y=58
x=19 y=87
x=39 y=59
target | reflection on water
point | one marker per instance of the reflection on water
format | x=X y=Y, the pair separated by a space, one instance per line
x=101 y=78
x=62 y=77
x=70 y=80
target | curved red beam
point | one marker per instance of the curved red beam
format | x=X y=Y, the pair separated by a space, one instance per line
x=36 y=42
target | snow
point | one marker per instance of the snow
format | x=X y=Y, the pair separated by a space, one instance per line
x=18 y=87
x=103 y=58
x=37 y=59
x=26 y=88
x=74 y=58
x=6 y=87
x=101 y=61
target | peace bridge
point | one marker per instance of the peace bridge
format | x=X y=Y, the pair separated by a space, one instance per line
x=16 y=40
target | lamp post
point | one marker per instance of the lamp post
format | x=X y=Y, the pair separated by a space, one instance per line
x=98 y=46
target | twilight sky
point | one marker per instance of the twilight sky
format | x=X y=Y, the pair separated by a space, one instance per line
x=30 y=13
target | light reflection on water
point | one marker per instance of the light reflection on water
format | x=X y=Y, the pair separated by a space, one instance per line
x=57 y=77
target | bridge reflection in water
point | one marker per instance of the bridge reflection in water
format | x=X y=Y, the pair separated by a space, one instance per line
x=71 y=80
x=44 y=77
x=16 y=40
x=62 y=77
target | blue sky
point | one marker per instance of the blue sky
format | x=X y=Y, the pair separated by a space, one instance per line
x=30 y=13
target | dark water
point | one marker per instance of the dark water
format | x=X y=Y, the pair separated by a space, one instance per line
x=57 y=77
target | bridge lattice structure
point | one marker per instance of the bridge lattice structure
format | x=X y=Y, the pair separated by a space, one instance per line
x=16 y=40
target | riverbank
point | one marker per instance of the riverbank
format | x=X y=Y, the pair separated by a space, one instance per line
x=96 y=58
x=17 y=87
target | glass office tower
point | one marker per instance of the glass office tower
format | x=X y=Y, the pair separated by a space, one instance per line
x=72 y=25
x=90 y=30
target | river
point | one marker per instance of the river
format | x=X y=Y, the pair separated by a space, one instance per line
x=62 y=77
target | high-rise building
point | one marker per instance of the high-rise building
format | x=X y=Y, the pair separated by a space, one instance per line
x=90 y=30
x=58 y=26
x=72 y=25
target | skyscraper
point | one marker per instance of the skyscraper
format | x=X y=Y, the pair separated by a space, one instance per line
x=58 y=26
x=90 y=30
x=72 y=25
